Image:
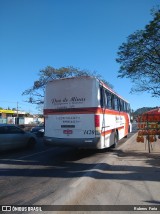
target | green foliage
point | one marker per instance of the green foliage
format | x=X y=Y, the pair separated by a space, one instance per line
x=140 y=58
x=36 y=92
x=143 y=110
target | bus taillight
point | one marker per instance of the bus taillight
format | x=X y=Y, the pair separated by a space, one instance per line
x=97 y=121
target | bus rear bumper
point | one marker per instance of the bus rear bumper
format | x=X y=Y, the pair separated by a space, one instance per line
x=73 y=142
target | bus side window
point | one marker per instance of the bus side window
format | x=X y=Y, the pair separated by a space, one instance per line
x=122 y=105
x=102 y=98
x=125 y=106
x=112 y=101
x=108 y=100
x=116 y=103
x=128 y=108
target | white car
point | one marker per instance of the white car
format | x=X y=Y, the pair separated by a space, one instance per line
x=12 y=137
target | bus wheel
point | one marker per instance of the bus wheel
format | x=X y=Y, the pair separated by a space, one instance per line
x=128 y=132
x=115 y=139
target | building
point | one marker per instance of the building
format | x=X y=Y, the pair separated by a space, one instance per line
x=19 y=117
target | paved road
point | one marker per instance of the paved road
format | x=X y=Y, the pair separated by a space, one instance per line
x=45 y=176
x=40 y=175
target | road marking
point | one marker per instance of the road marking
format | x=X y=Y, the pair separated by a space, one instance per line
x=28 y=155
x=35 y=153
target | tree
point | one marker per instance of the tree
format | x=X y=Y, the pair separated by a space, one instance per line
x=140 y=58
x=36 y=92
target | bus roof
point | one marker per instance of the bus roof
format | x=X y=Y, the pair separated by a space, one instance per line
x=92 y=77
x=112 y=91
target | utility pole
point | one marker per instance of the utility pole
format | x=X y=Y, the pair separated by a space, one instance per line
x=17 y=115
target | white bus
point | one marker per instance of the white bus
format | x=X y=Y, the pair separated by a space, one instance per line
x=83 y=112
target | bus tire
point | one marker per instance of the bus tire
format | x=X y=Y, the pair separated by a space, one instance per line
x=128 y=132
x=115 y=139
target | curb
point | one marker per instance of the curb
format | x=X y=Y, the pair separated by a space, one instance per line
x=130 y=140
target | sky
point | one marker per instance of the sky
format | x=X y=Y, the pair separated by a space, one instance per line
x=85 y=34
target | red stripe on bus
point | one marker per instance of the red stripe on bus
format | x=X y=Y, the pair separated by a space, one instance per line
x=111 y=131
x=93 y=110
x=71 y=111
x=108 y=132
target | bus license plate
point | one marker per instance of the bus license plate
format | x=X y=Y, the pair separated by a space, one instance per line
x=67 y=131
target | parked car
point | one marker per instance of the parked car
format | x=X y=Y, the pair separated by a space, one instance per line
x=38 y=130
x=12 y=137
